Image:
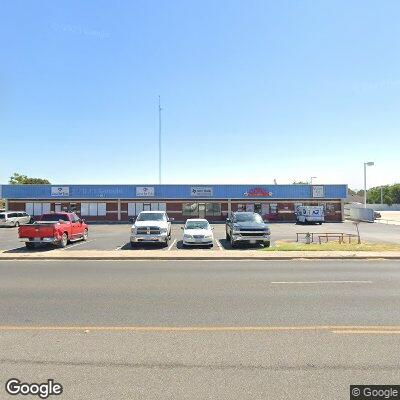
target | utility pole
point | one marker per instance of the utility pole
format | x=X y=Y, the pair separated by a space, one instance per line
x=159 y=139
x=366 y=164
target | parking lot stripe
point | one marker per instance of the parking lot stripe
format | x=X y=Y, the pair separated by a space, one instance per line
x=118 y=248
x=172 y=245
x=78 y=244
x=219 y=244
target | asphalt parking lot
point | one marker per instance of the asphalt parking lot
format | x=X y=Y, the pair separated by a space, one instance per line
x=116 y=237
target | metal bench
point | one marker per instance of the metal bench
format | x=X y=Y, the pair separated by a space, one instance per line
x=341 y=236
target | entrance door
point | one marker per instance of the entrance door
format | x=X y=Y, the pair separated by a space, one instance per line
x=202 y=210
x=257 y=208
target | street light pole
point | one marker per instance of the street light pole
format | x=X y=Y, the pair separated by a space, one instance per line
x=159 y=139
x=366 y=164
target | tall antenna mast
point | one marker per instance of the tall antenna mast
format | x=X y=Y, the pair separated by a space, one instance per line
x=159 y=139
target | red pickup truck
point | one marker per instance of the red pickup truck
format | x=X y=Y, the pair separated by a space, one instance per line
x=54 y=228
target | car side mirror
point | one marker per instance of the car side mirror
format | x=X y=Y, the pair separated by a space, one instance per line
x=228 y=220
x=132 y=220
x=182 y=227
x=171 y=219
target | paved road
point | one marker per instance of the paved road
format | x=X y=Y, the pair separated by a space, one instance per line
x=187 y=351
x=116 y=237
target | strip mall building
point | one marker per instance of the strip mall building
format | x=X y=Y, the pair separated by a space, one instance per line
x=121 y=202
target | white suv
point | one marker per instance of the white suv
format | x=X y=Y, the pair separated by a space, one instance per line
x=14 y=218
x=151 y=227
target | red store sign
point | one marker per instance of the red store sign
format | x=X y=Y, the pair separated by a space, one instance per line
x=257 y=192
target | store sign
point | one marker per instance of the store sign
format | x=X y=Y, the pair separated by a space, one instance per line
x=60 y=191
x=318 y=191
x=145 y=191
x=201 y=191
x=258 y=192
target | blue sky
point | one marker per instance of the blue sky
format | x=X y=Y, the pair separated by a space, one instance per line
x=251 y=91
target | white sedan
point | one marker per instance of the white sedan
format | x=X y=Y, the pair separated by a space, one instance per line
x=197 y=232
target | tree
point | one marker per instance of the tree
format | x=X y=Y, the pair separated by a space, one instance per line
x=18 y=179
x=391 y=194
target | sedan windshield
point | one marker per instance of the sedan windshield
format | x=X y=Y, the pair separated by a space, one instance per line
x=196 y=225
x=151 y=217
x=248 y=217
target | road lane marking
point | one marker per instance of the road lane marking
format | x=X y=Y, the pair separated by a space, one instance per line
x=77 y=244
x=322 y=328
x=172 y=244
x=315 y=282
x=219 y=244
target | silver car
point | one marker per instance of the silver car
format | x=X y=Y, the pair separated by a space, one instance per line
x=14 y=218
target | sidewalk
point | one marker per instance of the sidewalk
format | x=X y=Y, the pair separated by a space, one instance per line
x=197 y=255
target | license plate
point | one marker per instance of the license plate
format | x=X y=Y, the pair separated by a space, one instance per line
x=36 y=239
x=252 y=241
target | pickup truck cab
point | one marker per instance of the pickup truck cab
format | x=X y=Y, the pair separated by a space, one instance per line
x=151 y=227
x=54 y=228
x=247 y=227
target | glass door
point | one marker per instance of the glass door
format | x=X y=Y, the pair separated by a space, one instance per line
x=202 y=210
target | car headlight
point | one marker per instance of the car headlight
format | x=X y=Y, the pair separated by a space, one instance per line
x=163 y=230
x=187 y=236
x=267 y=231
x=207 y=236
x=133 y=230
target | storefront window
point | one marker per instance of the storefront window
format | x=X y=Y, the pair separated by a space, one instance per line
x=93 y=209
x=241 y=207
x=213 y=209
x=190 y=209
x=273 y=208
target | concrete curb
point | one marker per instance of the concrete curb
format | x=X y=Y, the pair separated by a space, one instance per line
x=178 y=256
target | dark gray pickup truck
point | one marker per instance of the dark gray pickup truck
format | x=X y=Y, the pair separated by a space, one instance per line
x=247 y=227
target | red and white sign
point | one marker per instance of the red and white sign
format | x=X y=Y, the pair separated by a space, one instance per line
x=258 y=192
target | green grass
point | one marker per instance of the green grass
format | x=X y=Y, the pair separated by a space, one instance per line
x=332 y=246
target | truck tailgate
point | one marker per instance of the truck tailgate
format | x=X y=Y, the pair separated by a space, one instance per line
x=36 y=231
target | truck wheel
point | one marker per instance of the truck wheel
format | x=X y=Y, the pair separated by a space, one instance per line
x=233 y=244
x=64 y=240
x=85 y=235
x=16 y=224
x=267 y=244
x=227 y=237
x=30 y=245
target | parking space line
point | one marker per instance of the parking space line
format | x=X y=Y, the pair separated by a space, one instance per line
x=219 y=244
x=172 y=245
x=118 y=248
x=78 y=244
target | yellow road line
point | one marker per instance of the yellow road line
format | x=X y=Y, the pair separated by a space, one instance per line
x=332 y=328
